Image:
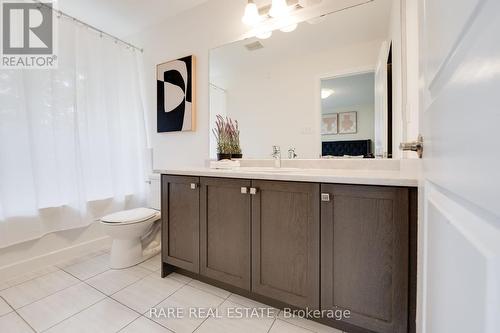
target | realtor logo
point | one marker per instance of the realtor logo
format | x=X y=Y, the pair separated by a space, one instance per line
x=27 y=35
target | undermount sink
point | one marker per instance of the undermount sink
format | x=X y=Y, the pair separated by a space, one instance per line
x=268 y=169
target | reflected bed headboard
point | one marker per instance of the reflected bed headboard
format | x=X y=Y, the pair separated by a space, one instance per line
x=351 y=148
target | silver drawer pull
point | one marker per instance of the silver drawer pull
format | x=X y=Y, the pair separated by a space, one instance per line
x=194 y=186
x=244 y=190
x=253 y=190
x=325 y=197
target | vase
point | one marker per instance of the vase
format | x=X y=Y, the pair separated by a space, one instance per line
x=221 y=156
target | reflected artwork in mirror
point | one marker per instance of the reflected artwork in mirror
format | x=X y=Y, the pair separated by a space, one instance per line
x=327 y=84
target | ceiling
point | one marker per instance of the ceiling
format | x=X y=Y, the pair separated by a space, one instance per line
x=353 y=90
x=125 y=17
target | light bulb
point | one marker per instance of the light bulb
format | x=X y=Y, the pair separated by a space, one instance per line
x=308 y=3
x=278 y=8
x=289 y=28
x=251 y=16
x=263 y=34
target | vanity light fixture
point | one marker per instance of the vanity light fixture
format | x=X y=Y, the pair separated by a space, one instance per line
x=264 y=34
x=279 y=8
x=290 y=28
x=325 y=93
x=251 y=16
x=279 y=13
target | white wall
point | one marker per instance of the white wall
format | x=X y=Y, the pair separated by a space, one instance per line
x=196 y=31
x=365 y=120
x=212 y=24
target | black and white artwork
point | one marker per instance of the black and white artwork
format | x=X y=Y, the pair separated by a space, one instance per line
x=175 y=104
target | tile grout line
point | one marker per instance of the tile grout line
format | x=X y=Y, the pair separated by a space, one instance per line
x=274 y=321
x=79 y=280
x=55 y=292
x=31 y=279
x=57 y=267
x=308 y=329
x=90 y=277
x=14 y=311
x=29 y=325
x=128 y=285
x=78 y=260
x=10 y=307
x=111 y=298
x=209 y=292
x=142 y=316
x=184 y=285
x=106 y=296
x=59 y=322
x=163 y=300
x=204 y=320
x=99 y=301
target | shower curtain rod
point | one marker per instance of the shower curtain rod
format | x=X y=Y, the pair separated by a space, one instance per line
x=102 y=33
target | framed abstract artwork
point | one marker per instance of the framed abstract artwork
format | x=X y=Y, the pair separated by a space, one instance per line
x=176 y=95
x=348 y=122
x=329 y=124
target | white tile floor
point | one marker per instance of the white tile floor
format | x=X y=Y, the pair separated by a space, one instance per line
x=85 y=295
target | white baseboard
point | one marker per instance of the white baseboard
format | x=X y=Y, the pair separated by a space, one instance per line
x=51 y=258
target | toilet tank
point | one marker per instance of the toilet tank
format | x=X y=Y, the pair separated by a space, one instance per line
x=153 y=193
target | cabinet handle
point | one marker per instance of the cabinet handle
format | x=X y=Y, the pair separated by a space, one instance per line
x=325 y=197
x=194 y=186
x=244 y=190
x=253 y=190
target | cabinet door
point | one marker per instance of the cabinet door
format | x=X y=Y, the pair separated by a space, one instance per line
x=180 y=206
x=225 y=231
x=364 y=255
x=285 y=242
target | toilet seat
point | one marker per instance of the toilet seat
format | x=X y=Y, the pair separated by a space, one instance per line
x=131 y=216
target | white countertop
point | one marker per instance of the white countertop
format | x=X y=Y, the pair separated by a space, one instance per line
x=338 y=176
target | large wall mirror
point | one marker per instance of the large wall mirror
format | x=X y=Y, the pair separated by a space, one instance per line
x=332 y=88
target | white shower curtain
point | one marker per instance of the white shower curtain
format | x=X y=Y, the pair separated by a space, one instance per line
x=72 y=139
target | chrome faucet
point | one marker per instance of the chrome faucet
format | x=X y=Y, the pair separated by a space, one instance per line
x=277 y=156
x=291 y=153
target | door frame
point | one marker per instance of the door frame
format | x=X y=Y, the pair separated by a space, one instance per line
x=317 y=95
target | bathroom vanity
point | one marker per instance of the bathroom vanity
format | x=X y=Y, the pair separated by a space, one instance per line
x=316 y=239
x=332 y=233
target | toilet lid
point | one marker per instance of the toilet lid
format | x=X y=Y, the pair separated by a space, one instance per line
x=131 y=216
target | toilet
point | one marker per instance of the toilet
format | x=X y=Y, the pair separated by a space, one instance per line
x=135 y=232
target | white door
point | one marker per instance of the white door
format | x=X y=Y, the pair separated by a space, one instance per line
x=460 y=185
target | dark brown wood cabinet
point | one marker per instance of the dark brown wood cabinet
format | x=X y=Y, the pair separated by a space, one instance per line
x=365 y=255
x=285 y=242
x=225 y=225
x=180 y=222
x=298 y=244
